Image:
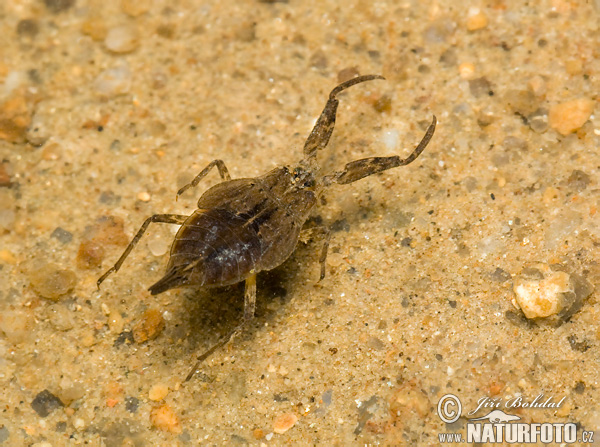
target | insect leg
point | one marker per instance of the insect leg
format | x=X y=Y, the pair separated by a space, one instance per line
x=358 y=169
x=222 y=171
x=319 y=137
x=249 y=308
x=326 y=235
x=175 y=219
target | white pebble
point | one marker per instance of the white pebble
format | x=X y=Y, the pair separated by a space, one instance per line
x=122 y=39
x=390 y=139
x=114 y=81
x=158 y=247
x=542 y=297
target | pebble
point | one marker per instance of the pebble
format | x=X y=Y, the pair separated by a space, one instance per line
x=7 y=257
x=60 y=317
x=115 y=322
x=7 y=219
x=45 y=403
x=284 y=422
x=541 y=292
x=158 y=392
x=5 y=174
x=71 y=392
x=149 y=327
x=569 y=116
x=134 y=8
x=94 y=26
x=90 y=255
x=50 y=281
x=28 y=28
x=476 y=20
x=466 y=70
x=15 y=118
x=113 y=81
x=107 y=230
x=480 y=87
x=63 y=236
x=16 y=324
x=158 y=246
x=165 y=419
x=56 y=6
x=122 y=39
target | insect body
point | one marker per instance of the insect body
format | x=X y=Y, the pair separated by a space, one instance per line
x=248 y=225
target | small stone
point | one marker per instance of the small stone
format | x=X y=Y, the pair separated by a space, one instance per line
x=95 y=27
x=15 y=117
x=28 y=28
x=7 y=257
x=347 y=73
x=71 y=392
x=523 y=102
x=500 y=275
x=4 y=434
x=90 y=255
x=56 y=6
x=132 y=404
x=115 y=322
x=7 y=219
x=375 y=343
x=5 y=180
x=165 y=419
x=158 y=392
x=149 y=327
x=538 y=120
x=114 y=81
x=63 y=236
x=60 y=317
x=284 y=422
x=466 y=70
x=45 y=403
x=480 y=87
x=122 y=39
x=476 y=20
x=541 y=293
x=158 y=246
x=134 y=8
x=335 y=259
x=50 y=281
x=569 y=116
x=16 y=325
x=578 y=180
x=106 y=231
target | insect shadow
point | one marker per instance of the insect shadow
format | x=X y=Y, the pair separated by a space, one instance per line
x=248 y=225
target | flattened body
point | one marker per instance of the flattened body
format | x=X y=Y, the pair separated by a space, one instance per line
x=241 y=226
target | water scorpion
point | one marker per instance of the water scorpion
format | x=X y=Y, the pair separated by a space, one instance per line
x=247 y=225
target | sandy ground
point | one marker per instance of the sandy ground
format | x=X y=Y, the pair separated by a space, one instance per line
x=107 y=108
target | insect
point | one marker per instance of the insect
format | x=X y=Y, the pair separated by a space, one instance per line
x=247 y=225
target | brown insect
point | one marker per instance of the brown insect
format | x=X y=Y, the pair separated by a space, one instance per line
x=248 y=225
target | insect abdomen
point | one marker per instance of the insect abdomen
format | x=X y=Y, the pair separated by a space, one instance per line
x=213 y=247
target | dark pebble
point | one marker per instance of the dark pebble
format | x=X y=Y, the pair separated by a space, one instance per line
x=580 y=346
x=45 y=403
x=500 y=275
x=27 y=28
x=340 y=225
x=63 y=236
x=124 y=338
x=57 y=6
x=132 y=404
x=480 y=87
